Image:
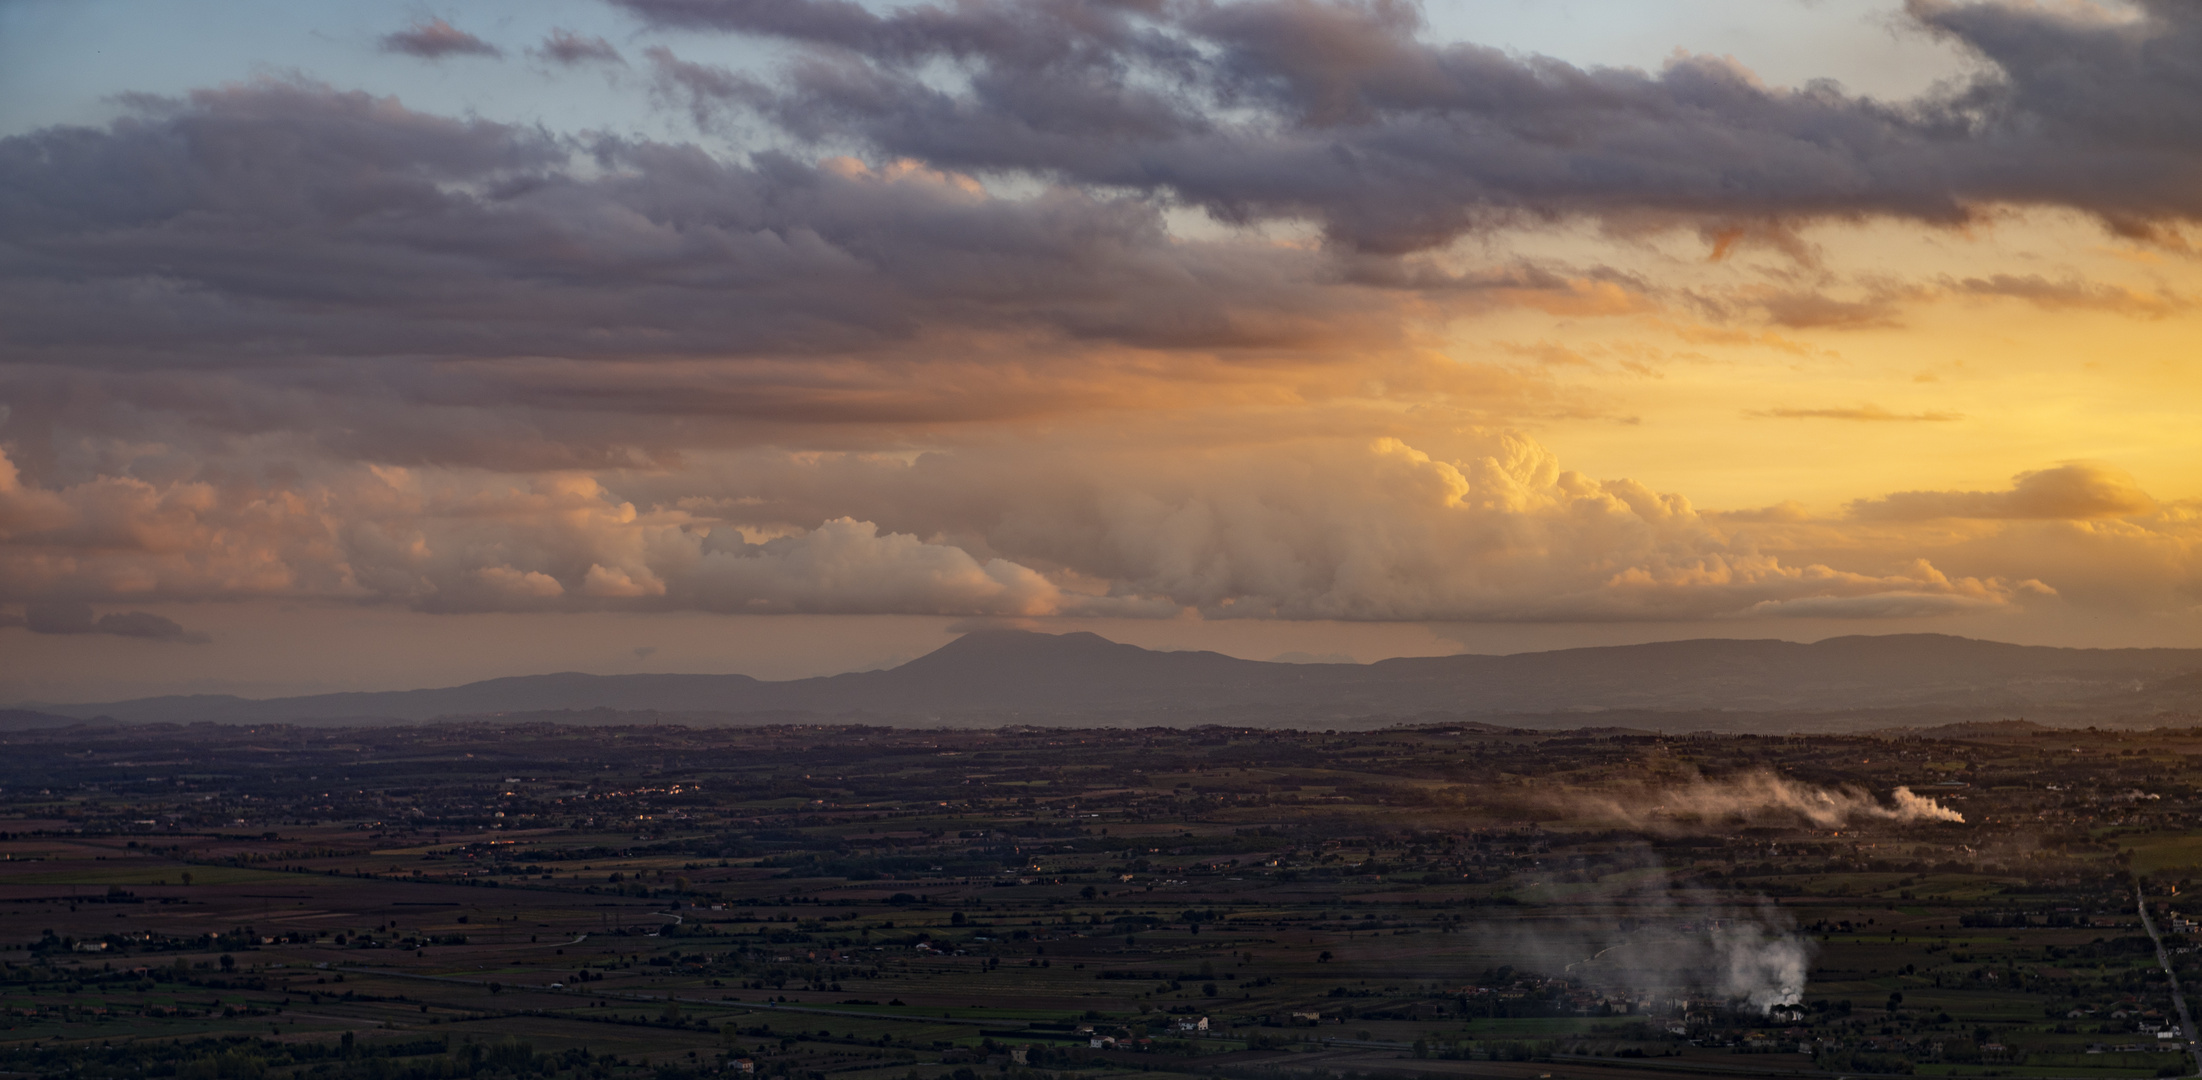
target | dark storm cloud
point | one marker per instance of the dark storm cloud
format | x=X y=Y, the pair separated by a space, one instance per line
x=408 y=287
x=1341 y=113
x=434 y=39
x=72 y=618
x=282 y=255
x=275 y=340
x=252 y=220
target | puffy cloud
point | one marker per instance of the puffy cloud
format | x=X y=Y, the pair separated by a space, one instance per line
x=279 y=340
x=2068 y=492
x=847 y=566
x=468 y=541
x=434 y=39
x=1310 y=529
x=1339 y=529
x=284 y=257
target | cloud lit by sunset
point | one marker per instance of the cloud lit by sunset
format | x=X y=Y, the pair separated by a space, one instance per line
x=1251 y=325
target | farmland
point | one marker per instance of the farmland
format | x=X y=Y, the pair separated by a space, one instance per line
x=804 y=901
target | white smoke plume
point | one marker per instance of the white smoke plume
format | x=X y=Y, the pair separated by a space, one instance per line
x=1757 y=794
x=1696 y=947
x=1761 y=964
x=1656 y=943
x=1911 y=807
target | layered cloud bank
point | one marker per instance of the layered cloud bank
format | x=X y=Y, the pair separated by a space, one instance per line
x=1342 y=113
x=1314 y=531
x=1244 y=310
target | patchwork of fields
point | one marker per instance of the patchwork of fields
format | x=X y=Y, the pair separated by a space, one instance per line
x=857 y=902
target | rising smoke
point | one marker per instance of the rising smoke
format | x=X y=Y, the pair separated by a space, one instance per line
x=1637 y=933
x=1659 y=944
x=1756 y=794
x=1761 y=963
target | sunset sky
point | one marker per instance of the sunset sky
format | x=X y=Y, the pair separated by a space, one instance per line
x=350 y=346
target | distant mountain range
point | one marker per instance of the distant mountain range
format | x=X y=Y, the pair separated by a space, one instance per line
x=1016 y=677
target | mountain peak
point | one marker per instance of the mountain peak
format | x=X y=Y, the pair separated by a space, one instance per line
x=1014 y=640
x=991 y=649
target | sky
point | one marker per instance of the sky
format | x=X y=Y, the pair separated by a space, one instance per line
x=356 y=346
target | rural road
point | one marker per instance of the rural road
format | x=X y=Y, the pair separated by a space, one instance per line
x=2178 y=998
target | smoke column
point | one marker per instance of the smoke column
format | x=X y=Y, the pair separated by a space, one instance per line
x=1651 y=939
x=1761 y=965
x=1688 y=941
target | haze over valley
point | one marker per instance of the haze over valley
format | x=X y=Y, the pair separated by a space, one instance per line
x=1023 y=677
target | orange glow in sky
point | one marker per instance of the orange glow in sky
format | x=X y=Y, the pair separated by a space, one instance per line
x=652 y=335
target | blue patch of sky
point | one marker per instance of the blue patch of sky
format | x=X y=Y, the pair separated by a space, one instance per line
x=1864 y=44
x=65 y=61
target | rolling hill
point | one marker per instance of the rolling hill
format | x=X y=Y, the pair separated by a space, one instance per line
x=1010 y=676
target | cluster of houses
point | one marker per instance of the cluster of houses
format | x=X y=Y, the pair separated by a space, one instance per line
x=2147 y=1021
x=1584 y=1001
x=1191 y=1025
